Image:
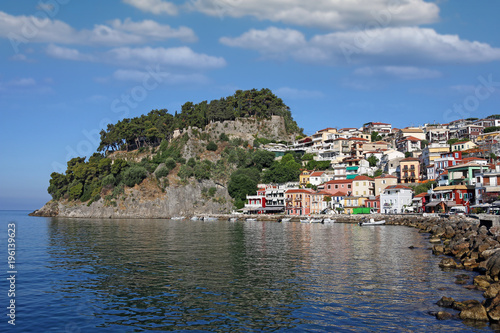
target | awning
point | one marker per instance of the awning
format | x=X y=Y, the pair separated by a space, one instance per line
x=273 y=209
x=433 y=203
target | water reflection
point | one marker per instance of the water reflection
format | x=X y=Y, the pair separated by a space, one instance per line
x=184 y=275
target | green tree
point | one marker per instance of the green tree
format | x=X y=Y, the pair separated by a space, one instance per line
x=212 y=146
x=375 y=137
x=373 y=160
x=170 y=163
x=134 y=175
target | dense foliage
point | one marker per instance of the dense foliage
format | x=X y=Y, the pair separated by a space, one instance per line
x=149 y=130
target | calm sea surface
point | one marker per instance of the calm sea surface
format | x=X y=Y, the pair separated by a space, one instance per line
x=79 y=275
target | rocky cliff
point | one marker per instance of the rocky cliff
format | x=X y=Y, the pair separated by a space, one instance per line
x=141 y=202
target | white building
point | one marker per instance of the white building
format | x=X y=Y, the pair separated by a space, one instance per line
x=395 y=199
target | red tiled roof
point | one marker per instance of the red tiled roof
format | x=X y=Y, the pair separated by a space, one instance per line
x=411 y=138
x=357 y=139
x=326 y=129
x=339 y=181
x=460 y=142
x=397 y=186
x=363 y=178
x=316 y=174
x=385 y=176
x=338 y=194
x=301 y=190
x=408 y=159
x=421 y=195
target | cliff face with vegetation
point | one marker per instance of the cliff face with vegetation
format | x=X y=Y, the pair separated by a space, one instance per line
x=203 y=160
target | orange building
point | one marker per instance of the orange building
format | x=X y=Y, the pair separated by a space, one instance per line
x=298 y=201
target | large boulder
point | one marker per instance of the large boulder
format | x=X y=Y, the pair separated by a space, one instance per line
x=445 y=302
x=493 y=266
x=448 y=263
x=473 y=310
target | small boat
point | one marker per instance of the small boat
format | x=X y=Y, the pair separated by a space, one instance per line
x=251 y=219
x=371 y=222
x=233 y=219
x=328 y=220
x=209 y=218
x=285 y=219
x=315 y=220
x=195 y=218
x=177 y=218
x=305 y=220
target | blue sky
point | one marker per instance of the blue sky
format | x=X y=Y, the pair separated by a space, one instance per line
x=70 y=67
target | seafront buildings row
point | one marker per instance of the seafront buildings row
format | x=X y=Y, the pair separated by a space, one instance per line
x=376 y=169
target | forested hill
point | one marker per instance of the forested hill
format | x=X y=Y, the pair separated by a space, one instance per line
x=151 y=129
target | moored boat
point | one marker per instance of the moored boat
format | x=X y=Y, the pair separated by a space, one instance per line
x=285 y=219
x=250 y=219
x=328 y=220
x=371 y=222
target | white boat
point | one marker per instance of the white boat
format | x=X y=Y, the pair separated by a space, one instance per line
x=233 y=219
x=195 y=218
x=328 y=220
x=372 y=222
x=285 y=219
x=315 y=220
x=250 y=219
x=177 y=218
x=305 y=220
x=208 y=218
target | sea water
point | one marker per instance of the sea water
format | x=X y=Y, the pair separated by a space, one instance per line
x=93 y=275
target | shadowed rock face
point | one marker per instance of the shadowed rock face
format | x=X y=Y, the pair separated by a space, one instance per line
x=182 y=200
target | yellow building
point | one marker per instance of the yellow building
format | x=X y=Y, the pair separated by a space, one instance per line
x=353 y=202
x=409 y=170
x=383 y=181
x=362 y=186
x=463 y=145
x=304 y=177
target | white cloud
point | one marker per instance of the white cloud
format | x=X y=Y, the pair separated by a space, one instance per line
x=68 y=53
x=401 y=72
x=175 y=57
x=293 y=93
x=329 y=14
x=180 y=58
x=156 y=7
x=154 y=30
x=163 y=77
x=270 y=42
x=24 y=29
x=402 y=46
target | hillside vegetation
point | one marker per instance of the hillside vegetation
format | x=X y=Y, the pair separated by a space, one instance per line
x=145 y=147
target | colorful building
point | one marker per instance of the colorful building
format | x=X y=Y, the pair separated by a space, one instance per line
x=409 y=170
x=298 y=201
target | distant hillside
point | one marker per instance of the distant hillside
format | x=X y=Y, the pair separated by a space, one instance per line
x=193 y=153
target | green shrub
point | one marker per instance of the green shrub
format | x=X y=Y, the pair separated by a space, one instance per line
x=170 y=163
x=191 y=162
x=185 y=172
x=162 y=172
x=108 y=180
x=211 y=192
x=211 y=146
x=134 y=175
x=223 y=137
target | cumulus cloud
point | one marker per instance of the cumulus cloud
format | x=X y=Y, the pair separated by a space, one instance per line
x=176 y=57
x=401 y=72
x=23 y=29
x=329 y=14
x=68 y=53
x=156 y=7
x=401 y=46
x=164 y=77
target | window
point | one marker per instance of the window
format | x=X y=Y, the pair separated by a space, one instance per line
x=383 y=182
x=456 y=155
x=364 y=183
x=460 y=196
x=348 y=186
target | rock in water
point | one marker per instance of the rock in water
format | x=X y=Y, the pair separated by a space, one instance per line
x=474 y=311
x=443 y=315
x=445 y=302
x=448 y=263
x=493 y=266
